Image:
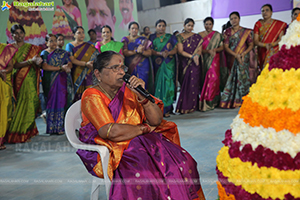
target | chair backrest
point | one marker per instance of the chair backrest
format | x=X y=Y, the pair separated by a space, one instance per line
x=72 y=122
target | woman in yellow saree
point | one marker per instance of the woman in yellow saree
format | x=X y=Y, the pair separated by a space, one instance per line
x=26 y=87
x=6 y=66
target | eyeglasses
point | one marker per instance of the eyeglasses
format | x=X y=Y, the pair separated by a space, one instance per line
x=116 y=68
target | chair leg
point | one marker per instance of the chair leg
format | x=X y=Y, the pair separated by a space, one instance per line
x=95 y=189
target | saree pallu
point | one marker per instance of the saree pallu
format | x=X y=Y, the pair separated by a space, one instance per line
x=58 y=90
x=268 y=33
x=111 y=46
x=6 y=54
x=190 y=80
x=164 y=70
x=82 y=76
x=139 y=65
x=210 y=94
x=238 y=82
x=26 y=88
x=150 y=166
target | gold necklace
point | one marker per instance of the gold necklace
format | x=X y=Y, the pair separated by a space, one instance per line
x=189 y=42
x=162 y=39
x=104 y=91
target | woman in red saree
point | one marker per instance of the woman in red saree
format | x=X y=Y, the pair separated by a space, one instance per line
x=212 y=48
x=267 y=35
x=145 y=156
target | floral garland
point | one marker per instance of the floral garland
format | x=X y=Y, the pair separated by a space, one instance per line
x=263 y=157
x=277 y=89
x=266 y=182
x=255 y=114
x=286 y=58
x=284 y=140
x=230 y=191
x=222 y=193
x=292 y=37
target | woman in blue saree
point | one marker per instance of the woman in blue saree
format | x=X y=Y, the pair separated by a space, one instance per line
x=82 y=55
x=137 y=52
x=57 y=84
x=164 y=63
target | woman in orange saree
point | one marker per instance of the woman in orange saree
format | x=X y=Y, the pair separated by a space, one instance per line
x=145 y=156
x=267 y=35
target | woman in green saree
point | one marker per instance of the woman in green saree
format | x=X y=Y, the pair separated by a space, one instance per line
x=164 y=63
x=108 y=44
x=26 y=87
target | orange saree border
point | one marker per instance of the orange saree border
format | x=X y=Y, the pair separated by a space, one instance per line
x=22 y=73
x=116 y=149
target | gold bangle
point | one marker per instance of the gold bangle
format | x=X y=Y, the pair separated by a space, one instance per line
x=108 y=130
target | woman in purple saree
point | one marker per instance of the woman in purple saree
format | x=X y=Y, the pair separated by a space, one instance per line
x=137 y=52
x=57 y=85
x=212 y=48
x=146 y=161
x=189 y=50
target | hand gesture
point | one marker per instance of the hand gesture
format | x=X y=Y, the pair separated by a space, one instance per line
x=3 y=74
x=196 y=59
x=66 y=68
x=37 y=60
x=89 y=65
x=269 y=46
x=239 y=58
x=212 y=52
x=140 y=49
x=135 y=82
x=165 y=53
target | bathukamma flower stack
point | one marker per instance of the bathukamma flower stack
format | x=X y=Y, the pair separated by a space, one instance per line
x=261 y=156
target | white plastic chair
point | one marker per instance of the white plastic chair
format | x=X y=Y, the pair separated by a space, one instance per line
x=72 y=122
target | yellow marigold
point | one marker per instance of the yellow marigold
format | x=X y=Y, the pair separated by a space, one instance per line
x=277 y=89
x=268 y=182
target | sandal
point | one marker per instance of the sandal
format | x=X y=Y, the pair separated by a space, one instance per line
x=2 y=147
x=167 y=115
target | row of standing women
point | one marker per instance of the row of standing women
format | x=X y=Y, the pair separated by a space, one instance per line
x=200 y=68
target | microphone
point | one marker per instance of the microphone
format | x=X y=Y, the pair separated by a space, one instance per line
x=139 y=88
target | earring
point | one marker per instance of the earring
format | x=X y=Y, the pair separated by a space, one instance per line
x=99 y=80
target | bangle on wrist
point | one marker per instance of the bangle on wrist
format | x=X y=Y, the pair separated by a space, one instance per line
x=85 y=64
x=109 y=129
x=60 y=68
x=145 y=128
x=136 y=51
x=143 y=102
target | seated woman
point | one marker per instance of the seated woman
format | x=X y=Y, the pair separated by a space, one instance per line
x=145 y=157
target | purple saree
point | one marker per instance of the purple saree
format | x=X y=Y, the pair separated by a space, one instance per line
x=139 y=65
x=58 y=90
x=151 y=166
x=190 y=79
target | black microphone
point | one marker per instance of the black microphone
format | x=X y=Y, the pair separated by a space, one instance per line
x=139 y=88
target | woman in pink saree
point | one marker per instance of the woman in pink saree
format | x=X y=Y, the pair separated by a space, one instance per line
x=212 y=47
